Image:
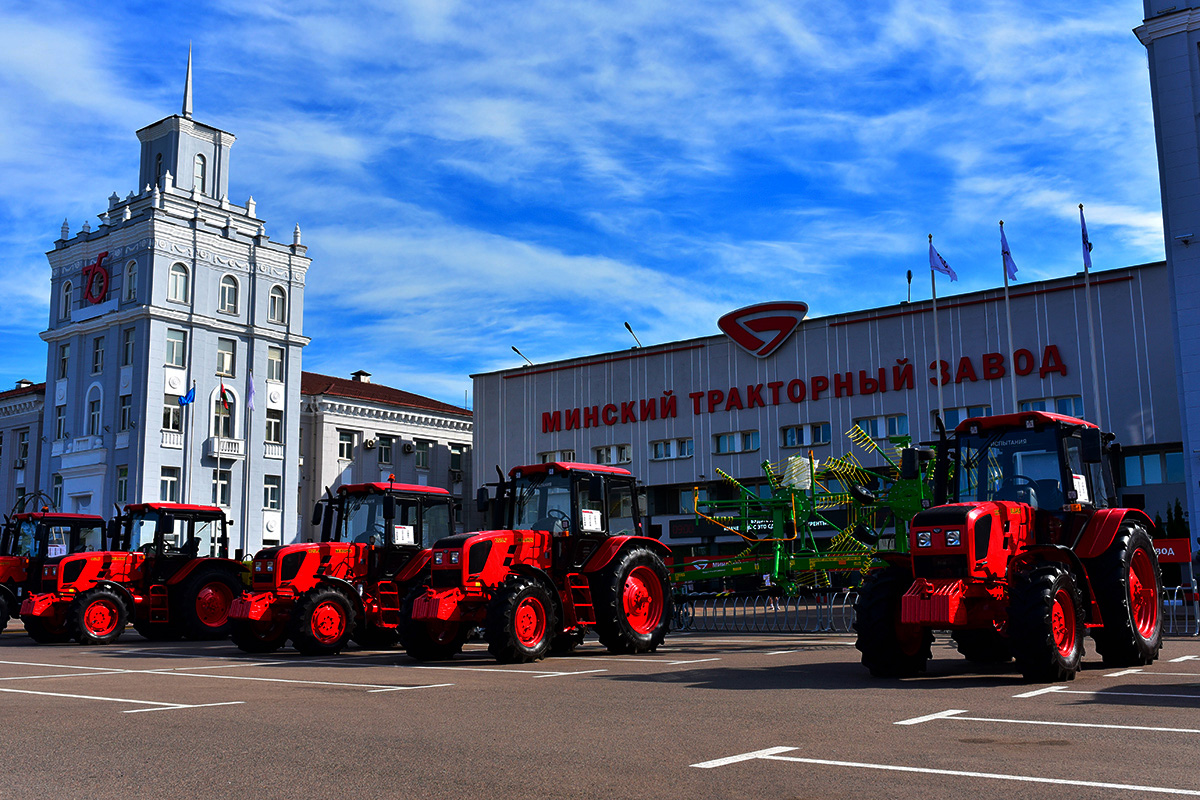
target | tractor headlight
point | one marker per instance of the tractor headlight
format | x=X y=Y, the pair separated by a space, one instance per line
x=438 y=556
x=455 y=556
x=924 y=539
x=270 y=566
x=953 y=538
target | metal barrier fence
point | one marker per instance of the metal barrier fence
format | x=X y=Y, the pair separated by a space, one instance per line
x=833 y=612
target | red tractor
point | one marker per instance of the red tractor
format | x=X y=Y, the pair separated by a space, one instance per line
x=574 y=556
x=30 y=540
x=374 y=540
x=1027 y=557
x=167 y=573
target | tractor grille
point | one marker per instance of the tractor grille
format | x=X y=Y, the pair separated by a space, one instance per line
x=445 y=578
x=940 y=567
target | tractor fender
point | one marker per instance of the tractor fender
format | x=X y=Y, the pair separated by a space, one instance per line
x=615 y=545
x=542 y=577
x=120 y=591
x=411 y=570
x=346 y=588
x=1063 y=555
x=1103 y=526
x=237 y=569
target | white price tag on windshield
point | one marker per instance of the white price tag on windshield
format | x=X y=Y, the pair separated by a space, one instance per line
x=404 y=534
x=1081 y=490
x=593 y=520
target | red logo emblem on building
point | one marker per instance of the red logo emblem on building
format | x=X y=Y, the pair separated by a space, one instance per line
x=762 y=329
x=95 y=280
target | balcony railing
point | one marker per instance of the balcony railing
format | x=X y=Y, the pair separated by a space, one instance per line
x=272 y=450
x=224 y=448
x=172 y=439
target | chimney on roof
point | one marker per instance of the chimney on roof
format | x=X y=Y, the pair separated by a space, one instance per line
x=24 y=383
x=361 y=376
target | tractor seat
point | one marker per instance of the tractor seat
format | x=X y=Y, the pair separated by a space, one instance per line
x=1050 y=492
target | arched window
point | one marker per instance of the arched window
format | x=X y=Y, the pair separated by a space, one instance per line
x=200 y=174
x=222 y=416
x=158 y=171
x=95 y=410
x=177 y=284
x=229 y=295
x=277 y=305
x=131 y=282
x=64 y=308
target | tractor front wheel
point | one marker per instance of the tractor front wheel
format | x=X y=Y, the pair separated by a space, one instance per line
x=202 y=608
x=4 y=614
x=323 y=623
x=889 y=649
x=633 y=602
x=44 y=632
x=429 y=640
x=97 y=617
x=520 y=622
x=1045 y=623
x=1128 y=586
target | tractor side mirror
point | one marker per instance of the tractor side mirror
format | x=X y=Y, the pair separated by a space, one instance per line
x=165 y=524
x=112 y=532
x=327 y=522
x=596 y=488
x=481 y=499
x=318 y=513
x=911 y=459
x=389 y=507
x=1091 y=449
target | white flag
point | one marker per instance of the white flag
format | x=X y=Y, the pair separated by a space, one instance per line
x=938 y=263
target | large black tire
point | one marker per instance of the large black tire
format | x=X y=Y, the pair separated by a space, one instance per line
x=323 y=622
x=889 y=649
x=200 y=609
x=256 y=636
x=429 y=641
x=520 y=622
x=44 y=633
x=1127 y=581
x=983 y=646
x=1045 y=623
x=97 y=616
x=633 y=602
x=4 y=614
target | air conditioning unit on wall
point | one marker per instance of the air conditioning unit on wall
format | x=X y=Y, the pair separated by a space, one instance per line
x=369 y=444
x=455 y=475
x=409 y=448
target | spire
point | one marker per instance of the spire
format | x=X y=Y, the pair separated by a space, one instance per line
x=187 y=87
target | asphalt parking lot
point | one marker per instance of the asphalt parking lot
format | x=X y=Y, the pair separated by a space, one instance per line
x=708 y=716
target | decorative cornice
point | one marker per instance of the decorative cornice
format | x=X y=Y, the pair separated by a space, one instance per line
x=1181 y=21
x=25 y=406
x=316 y=404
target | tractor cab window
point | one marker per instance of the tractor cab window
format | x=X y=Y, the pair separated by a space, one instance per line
x=435 y=523
x=620 y=509
x=57 y=541
x=362 y=519
x=141 y=531
x=1018 y=465
x=26 y=543
x=542 y=502
x=202 y=539
x=89 y=540
x=591 y=510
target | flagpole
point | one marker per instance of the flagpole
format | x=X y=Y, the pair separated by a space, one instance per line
x=937 y=340
x=1012 y=373
x=1087 y=289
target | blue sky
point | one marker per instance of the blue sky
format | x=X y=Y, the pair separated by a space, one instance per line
x=471 y=176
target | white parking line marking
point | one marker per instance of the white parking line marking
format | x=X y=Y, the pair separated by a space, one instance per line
x=929 y=717
x=62 y=675
x=774 y=754
x=160 y=706
x=655 y=660
x=536 y=673
x=955 y=714
x=177 y=707
x=1036 y=692
x=1103 y=692
x=1183 y=658
x=55 y=666
x=1123 y=673
x=407 y=688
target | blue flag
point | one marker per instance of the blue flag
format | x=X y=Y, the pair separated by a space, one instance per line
x=1010 y=266
x=1087 y=243
x=938 y=263
x=190 y=397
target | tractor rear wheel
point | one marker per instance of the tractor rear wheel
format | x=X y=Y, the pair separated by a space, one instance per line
x=323 y=622
x=44 y=632
x=1128 y=585
x=889 y=648
x=97 y=617
x=983 y=645
x=4 y=615
x=427 y=640
x=201 y=608
x=257 y=636
x=633 y=602
x=520 y=622
x=1045 y=623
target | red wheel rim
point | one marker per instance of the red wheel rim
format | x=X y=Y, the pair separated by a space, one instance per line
x=212 y=604
x=530 y=622
x=1062 y=623
x=328 y=622
x=642 y=599
x=100 y=617
x=1143 y=594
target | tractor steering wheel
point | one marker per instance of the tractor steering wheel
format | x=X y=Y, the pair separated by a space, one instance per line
x=1015 y=485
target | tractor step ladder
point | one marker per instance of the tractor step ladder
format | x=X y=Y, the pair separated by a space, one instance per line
x=581 y=598
x=389 y=603
x=159 y=607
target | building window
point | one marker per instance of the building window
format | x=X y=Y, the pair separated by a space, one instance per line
x=613 y=454
x=423 y=448
x=176 y=348
x=127 y=347
x=168 y=485
x=883 y=427
x=1149 y=469
x=274 y=433
x=23 y=444
x=177 y=284
x=225 y=357
x=665 y=449
x=125 y=412
x=1071 y=405
x=64 y=306
x=200 y=174
x=456 y=456
x=60 y=422
x=272 y=491
x=97 y=355
x=221 y=479
x=130 y=292
x=228 y=299
x=346 y=445
x=56 y=492
x=277 y=305
x=64 y=360
x=122 y=484
x=954 y=416
x=222 y=420
x=158 y=171
x=275 y=363
x=93 y=424
x=384 y=443
x=561 y=456
x=172 y=413
x=736 y=442
x=814 y=433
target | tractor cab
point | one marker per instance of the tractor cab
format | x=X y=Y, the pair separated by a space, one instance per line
x=171 y=534
x=386 y=513
x=32 y=541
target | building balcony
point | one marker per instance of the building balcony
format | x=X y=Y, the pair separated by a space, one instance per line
x=272 y=450
x=172 y=440
x=224 y=448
